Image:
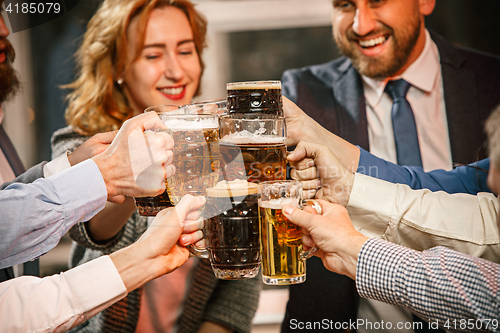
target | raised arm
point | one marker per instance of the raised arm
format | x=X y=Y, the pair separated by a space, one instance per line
x=464 y=179
x=418 y=219
x=35 y=216
x=60 y=302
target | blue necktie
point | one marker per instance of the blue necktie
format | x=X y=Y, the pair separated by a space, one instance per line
x=403 y=124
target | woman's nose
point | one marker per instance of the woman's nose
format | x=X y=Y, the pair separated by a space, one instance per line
x=173 y=69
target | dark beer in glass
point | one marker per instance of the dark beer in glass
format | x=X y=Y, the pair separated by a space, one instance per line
x=262 y=97
x=232 y=229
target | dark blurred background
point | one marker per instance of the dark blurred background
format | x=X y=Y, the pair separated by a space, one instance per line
x=254 y=55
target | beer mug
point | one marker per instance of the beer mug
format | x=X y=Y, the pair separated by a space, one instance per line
x=232 y=230
x=253 y=147
x=283 y=259
x=196 y=154
x=262 y=97
x=150 y=206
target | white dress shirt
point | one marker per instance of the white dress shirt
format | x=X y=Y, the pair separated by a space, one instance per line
x=59 y=302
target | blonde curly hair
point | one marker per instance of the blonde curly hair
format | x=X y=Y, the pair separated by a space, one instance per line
x=97 y=103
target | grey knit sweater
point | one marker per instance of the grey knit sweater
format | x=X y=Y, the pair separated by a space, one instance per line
x=230 y=303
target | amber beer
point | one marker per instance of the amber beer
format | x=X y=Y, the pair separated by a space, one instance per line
x=262 y=161
x=253 y=149
x=196 y=154
x=283 y=257
x=281 y=244
x=232 y=229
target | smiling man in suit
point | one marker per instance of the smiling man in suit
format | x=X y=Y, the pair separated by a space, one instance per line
x=392 y=64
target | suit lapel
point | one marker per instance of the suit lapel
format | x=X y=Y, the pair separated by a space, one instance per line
x=10 y=153
x=348 y=93
x=461 y=101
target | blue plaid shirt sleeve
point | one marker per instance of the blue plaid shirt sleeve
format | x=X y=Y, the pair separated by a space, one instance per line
x=439 y=284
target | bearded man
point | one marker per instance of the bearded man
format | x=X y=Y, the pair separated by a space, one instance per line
x=449 y=91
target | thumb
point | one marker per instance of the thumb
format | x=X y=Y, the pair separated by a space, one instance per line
x=106 y=137
x=151 y=121
x=299 y=217
x=187 y=204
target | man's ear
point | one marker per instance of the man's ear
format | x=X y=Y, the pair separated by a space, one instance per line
x=427 y=6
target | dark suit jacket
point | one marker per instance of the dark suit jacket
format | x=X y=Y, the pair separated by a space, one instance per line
x=332 y=94
x=28 y=176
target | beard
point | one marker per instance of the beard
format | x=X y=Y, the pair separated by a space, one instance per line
x=403 y=42
x=9 y=80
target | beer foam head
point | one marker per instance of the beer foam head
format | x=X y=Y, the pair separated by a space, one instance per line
x=233 y=188
x=178 y=123
x=246 y=137
x=254 y=85
x=279 y=203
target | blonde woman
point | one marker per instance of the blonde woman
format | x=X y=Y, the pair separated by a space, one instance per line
x=138 y=53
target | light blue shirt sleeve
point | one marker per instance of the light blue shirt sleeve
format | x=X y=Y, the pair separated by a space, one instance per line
x=463 y=179
x=34 y=217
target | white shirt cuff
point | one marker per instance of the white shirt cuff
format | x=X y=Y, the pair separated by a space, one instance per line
x=57 y=165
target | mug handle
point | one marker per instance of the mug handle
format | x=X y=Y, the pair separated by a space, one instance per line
x=304 y=255
x=198 y=252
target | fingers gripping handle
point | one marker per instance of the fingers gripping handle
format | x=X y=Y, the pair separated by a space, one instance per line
x=304 y=255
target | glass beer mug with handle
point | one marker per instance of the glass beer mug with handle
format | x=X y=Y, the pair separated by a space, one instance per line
x=283 y=258
x=232 y=230
x=196 y=154
x=253 y=147
x=217 y=106
x=150 y=206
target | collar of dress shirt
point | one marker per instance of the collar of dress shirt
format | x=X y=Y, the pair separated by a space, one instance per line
x=421 y=74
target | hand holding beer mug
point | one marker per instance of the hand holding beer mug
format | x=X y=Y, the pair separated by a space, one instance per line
x=150 y=206
x=283 y=257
